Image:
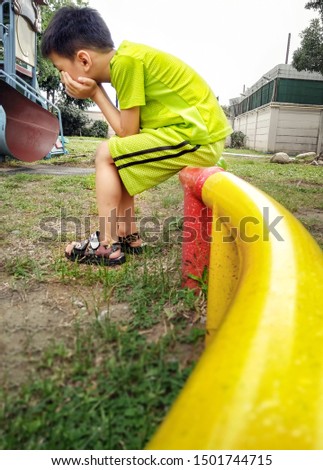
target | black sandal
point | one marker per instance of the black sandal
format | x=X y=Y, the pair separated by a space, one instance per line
x=126 y=242
x=90 y=251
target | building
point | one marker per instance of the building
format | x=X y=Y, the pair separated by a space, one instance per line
x=282 y=112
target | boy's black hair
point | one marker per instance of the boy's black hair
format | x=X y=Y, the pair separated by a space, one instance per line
x=73 y=28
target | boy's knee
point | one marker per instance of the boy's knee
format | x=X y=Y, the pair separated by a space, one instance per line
x=102 y=154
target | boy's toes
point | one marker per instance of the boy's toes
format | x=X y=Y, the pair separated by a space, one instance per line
x=69 y=248
x=110 y=251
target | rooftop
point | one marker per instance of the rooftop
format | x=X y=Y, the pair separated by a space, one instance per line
x=279 y=71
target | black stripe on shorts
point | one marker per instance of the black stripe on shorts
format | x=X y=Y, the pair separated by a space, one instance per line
x=152 y=150
x=156 y=159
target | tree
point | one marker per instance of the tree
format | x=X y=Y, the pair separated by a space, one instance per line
x=316 y=5
x=309 y=56
x=226 y=110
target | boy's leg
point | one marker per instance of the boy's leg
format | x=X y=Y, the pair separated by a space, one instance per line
x=126 y=217
x=108 y=195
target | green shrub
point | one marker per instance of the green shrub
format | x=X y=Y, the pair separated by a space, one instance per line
x=97 y=129
x=74 y=120
x=238 y=139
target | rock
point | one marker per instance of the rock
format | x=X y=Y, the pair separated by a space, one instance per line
x=78 y=303
x=280 y=157
x=103 y=316
x=317 y=162
x=306 y=157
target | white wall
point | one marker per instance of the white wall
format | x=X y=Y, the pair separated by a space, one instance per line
x=95 y=115
x=280 y=127
x=298 y=129
x=255 y=125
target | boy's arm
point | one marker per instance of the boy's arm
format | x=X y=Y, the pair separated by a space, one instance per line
x=124 y=122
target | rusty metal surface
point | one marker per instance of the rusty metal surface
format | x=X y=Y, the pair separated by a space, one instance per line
x=30 y=130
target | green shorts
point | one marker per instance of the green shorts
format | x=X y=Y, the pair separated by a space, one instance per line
x=144 y=160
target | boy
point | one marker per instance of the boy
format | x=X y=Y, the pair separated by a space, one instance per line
x=168 y=119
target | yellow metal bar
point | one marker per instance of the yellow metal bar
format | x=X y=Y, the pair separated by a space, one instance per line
x=259 y=383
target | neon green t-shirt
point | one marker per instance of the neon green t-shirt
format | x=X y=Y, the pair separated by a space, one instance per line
x=168 y=91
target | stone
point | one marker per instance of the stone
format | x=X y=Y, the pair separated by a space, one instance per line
x=306 y=157
x=280 y=157
x=317 y=162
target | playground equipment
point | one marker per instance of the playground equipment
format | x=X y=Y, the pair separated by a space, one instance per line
x=28 y=131
x=258 y=385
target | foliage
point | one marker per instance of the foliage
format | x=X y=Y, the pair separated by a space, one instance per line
x=48 y=79
x=73 y=119
x=76 y=123
x=237 y=139
x=315 y=5
x=222 y=163
x=309 y=56
x=97 y=129
x=226 y=110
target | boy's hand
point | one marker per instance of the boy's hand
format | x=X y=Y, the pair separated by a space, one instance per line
x=81 y=89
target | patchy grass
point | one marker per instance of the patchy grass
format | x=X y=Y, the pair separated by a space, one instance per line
x=298 y=187
x=108 y=348
x=110 y=392
x=93 y=357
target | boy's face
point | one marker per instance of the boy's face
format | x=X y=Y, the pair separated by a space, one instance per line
x=73 y=67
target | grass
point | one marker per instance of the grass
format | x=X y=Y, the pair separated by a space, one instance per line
x=80 y=153
x=298 y=187
x=110 y=393
x=94 y=357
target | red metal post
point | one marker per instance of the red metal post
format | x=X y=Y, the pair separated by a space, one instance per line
x=197 y=225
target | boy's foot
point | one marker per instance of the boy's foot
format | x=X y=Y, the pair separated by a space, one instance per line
x=132 y=244
x=92 y=251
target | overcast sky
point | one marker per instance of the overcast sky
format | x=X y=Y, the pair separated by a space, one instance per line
x=231 y=43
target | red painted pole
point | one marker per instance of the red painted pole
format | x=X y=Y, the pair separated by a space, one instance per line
x=197 y=225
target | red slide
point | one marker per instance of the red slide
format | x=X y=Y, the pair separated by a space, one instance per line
x=29 y=131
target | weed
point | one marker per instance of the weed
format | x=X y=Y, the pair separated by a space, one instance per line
x=24 y=267
x=202 y=281
x=110 y=393
x=171 y=200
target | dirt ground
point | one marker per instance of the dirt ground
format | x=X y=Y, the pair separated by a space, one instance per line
x=34 y=315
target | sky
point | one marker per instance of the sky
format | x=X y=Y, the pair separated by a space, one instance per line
x=230 y=43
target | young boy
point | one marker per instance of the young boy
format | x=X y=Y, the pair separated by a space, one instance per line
x=168 y=119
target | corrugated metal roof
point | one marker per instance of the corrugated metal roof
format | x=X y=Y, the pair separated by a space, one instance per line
x=279 y=71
